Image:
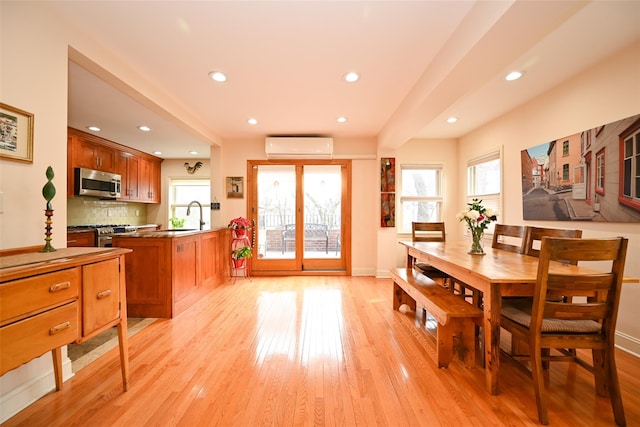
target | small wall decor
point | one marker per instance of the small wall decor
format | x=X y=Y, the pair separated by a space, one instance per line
x=16 y=134
x=192 y=169
x=387 y=192
x=235 y=187
x=587 y=176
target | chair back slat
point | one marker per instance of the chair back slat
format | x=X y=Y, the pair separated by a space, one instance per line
x=428 y=232
x=509 y=238
x=533 y=240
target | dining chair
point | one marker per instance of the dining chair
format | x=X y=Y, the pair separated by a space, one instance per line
x=533 y=238
x=429 y=232
x=509 y=238
x=547 y=323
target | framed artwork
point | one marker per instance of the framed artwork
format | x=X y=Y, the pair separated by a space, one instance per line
x=235 y=187
x=387 y=175
x=387 y=192
x=388 y=210
x=586 y=176
x=16 y=134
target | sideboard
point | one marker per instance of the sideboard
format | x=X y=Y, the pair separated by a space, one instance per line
x=51 y=299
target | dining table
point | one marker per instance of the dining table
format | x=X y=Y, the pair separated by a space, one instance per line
x=496 y=274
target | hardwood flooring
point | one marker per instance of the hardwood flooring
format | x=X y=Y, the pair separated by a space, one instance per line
x=323 y=351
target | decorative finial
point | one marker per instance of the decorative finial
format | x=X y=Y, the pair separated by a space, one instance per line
x=49 y=192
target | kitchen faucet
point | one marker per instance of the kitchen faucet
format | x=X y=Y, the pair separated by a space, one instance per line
x=189 y=212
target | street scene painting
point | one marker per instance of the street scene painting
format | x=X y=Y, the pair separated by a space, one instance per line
x=593 y=175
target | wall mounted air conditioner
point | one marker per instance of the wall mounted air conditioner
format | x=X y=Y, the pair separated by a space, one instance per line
x=298 y=147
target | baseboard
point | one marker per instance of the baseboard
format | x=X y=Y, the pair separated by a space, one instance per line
x=628 y=344
x=18 y=398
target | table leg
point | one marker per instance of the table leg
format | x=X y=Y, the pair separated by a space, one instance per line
x=492 y=306
x=56 y=355
x=123 y=341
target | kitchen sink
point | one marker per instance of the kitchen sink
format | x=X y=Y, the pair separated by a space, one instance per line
x=180 y=229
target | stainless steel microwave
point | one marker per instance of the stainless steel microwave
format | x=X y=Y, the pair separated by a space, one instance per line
x=89 y=182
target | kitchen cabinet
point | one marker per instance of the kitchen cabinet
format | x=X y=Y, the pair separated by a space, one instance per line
x=150 y=185
x=91 y=155
x=81 y=238
x=128 y=166
x=140 y=172
x=52 y=299
x=169 y=271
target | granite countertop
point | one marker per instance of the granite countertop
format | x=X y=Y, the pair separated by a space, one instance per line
x=167 y=233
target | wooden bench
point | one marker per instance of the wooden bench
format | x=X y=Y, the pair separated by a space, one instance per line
x=318 y=232
x=456 y=318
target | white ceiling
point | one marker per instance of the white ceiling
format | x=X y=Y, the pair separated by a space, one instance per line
x=420 y=62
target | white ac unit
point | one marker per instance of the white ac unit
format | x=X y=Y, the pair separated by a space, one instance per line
x=301 y=147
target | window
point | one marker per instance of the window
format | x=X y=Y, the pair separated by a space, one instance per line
x=565 y=172
x=421 y=194
x=484 y=182
x=600 y=172
x=184 y=191
x=631 y=166
x=565 y=148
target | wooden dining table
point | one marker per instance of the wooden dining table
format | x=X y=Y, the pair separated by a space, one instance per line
x=496 y=274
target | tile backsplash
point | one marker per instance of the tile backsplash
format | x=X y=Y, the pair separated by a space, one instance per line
x=90 y=210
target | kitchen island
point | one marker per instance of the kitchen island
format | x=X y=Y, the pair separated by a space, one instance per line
x=169 y=270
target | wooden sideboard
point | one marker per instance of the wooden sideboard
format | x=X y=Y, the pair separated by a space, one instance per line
x=48 y=300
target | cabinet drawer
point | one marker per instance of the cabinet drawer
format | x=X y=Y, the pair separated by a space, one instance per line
x=28 y=296
x=34 y=336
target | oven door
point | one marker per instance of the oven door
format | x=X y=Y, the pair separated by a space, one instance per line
x=104 y=241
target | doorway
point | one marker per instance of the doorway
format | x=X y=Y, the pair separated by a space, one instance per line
x=301 y=210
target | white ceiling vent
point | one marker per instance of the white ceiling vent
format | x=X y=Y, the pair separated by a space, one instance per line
x=301 y=147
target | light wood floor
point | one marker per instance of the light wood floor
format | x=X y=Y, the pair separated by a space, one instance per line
x=310 y=351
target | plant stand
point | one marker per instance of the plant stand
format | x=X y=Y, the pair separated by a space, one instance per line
x=239 y=239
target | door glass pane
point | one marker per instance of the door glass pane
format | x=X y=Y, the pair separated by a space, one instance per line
x=322 y=211
x=276 y=211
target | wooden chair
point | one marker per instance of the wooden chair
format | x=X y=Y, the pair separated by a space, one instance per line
x=547 y=323
x=533 y=238
x=429 y=232
x=509 y=238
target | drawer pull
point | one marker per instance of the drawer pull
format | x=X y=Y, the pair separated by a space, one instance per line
x=103 y=294
x=59 y=328
x=59 y=286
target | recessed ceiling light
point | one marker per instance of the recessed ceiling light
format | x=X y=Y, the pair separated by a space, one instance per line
x=351 y=77
x=514 y=75
x=157 y=152
x=94 y=128
x=218 y=76
x=252 y=121
x=341 y=119
x=144 y=128
x=452 y=119
x=193 y=152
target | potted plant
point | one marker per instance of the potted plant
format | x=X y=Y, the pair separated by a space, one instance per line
x=239 y=256
x=239 y=226
x=177 y=222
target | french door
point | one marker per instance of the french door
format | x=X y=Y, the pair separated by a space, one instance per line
x=301 y=210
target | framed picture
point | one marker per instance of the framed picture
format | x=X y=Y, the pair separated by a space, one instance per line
x=235 y=187
x=16 y=134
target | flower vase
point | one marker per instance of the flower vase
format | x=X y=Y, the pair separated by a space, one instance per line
x=476 y=244
x=239 y=232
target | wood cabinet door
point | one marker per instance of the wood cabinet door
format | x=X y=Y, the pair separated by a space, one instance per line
x=185 y=266
x=100 y=294
x=150 y=186
x=128 y=166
